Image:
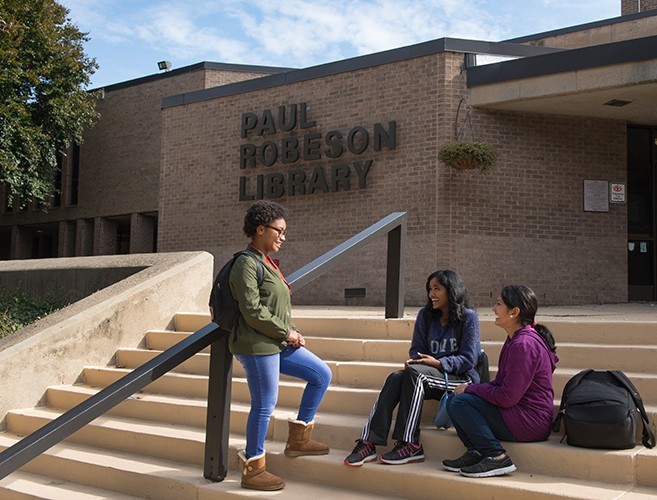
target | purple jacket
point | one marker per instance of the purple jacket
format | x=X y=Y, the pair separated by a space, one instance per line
x=522 y=388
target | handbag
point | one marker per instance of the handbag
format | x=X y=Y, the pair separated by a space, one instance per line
x=442 y=420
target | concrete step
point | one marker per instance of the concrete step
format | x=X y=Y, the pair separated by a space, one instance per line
x=145 y=477
x=151 y=445
x=370 y=375
x=190 y=322
x=140 y=429
x=150 y=477
x=574 y=331
x=350 y=399
x=346 y=357
x=24 y=486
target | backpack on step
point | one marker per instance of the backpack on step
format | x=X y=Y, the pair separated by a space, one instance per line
x=224 y=309
x=601 y=409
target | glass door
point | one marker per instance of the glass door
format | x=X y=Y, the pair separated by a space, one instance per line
x=641 y=203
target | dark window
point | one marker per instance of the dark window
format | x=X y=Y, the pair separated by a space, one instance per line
x=57 y=195
x=123 y=238
x=75 y=175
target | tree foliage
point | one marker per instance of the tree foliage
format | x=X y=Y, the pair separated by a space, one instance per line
x=44 y=104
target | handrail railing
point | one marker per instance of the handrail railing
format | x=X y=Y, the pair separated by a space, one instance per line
x=394 y=225
x=77 y=417
x=219 y=387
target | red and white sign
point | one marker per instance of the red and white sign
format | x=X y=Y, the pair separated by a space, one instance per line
x=617 y=192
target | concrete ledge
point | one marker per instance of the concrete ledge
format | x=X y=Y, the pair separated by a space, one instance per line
x=52 y=350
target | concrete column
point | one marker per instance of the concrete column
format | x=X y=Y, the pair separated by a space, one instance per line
x=66 y=241
x=142 y=233
x=84 y=237
x=104 y=236
x=21 y=243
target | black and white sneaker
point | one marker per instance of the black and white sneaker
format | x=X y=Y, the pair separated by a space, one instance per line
x=364 y=451
x=470 y=457
x=489 y=467
x=403 y=453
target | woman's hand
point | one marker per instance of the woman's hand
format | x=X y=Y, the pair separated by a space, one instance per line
x=295 y=339
x=425 y=359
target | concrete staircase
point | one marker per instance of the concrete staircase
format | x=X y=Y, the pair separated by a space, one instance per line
x=152 y=445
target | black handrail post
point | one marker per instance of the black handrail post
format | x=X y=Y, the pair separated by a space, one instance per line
x=395 y=271
x=217 y=427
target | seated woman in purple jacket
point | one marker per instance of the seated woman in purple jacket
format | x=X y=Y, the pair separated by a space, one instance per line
x=518 y=404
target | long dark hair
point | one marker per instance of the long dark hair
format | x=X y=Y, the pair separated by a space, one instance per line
x=459 y=299
x=525 y=300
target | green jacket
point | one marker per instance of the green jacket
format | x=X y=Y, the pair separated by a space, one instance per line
x=266 y=312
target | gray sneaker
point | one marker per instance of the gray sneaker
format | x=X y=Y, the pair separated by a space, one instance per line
x=470 y=457
x=363 y=452
x=403 y=453
x=489 y=467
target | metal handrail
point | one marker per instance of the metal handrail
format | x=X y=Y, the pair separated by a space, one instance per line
x=219 y=387
x=98 y=404
x=394 y=225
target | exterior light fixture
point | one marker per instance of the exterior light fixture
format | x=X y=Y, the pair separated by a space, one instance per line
x=164 y=65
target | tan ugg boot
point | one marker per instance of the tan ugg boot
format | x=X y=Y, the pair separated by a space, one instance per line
x=255 y=477
x=299 y=442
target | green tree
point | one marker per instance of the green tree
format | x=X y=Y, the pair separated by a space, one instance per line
x=44 y=104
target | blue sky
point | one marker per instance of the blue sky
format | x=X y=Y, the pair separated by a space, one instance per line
x=129 y=37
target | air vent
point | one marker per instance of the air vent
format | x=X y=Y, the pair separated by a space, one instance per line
x=352 y=293
x=618 y=103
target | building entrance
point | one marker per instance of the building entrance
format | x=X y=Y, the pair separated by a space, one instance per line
x=642 y=212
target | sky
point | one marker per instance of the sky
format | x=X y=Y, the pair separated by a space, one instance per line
x=129 y=37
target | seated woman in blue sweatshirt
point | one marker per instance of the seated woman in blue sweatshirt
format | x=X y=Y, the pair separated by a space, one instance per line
x=518 y=404
x=434 y=351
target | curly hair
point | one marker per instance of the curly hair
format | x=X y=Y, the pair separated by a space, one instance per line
x=459 y=299
x=261 y=213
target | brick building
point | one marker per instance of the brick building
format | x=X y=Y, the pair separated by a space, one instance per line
x=569 y=208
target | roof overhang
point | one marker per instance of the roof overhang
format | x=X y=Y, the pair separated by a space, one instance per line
x=615 y=80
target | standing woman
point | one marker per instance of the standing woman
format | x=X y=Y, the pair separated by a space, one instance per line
x=518 y=404
x=266 y=343
x=435 y=350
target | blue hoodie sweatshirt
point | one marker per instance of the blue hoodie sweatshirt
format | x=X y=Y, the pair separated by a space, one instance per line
x=440 y=342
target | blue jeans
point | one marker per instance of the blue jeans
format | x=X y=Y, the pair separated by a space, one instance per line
x=262 y=374
x=479 y=424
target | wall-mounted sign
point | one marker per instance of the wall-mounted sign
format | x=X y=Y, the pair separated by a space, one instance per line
x=596 y=196
x=287 y=141
x=617 y=192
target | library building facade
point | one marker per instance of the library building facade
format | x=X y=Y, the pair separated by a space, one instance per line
x=569 y=206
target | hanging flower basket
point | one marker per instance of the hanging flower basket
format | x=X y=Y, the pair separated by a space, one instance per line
x=468 y=155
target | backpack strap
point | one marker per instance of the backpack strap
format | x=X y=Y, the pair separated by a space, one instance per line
x=570 y=385
x=648 y=437
x=259 y=269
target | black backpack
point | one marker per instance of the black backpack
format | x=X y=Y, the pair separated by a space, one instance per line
x=601 y=409
x=224 y=309
x=482 y=361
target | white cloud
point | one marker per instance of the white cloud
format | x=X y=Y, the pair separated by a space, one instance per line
x=303 y=33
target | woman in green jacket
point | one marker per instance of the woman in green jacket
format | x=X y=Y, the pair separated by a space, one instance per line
x=266 y=342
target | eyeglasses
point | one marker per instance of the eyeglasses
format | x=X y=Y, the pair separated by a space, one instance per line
x=282 y=233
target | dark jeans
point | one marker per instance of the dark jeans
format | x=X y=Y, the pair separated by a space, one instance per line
x=479 y=424
x=407 y=388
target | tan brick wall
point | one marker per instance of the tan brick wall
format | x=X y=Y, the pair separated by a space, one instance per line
x=523 y=222
x=635 y=6
x=119 y=164
x=214 y=78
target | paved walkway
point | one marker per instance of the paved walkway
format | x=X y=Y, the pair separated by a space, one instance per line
x=641 y=312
